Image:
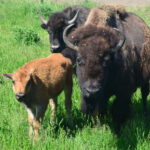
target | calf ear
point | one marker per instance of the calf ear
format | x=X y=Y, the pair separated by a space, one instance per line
x=7 y=75
x=44 y=26
x=31 y=75
x=30 y=79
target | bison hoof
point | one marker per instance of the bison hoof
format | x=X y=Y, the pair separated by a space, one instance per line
x=146 y=114
x=70 y=123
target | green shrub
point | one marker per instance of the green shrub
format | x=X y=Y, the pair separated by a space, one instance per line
x=1 y=80
x=45 y=10
x=26 y=35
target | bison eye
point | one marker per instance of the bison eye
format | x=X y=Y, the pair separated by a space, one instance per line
x=50 y=32
x=80 y=61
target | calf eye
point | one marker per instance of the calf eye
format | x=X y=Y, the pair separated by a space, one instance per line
x=13 y=82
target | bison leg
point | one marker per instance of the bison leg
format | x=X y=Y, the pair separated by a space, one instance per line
x=145 y=91
x=53 y=105
x=121 y=110
x=103 y=106
x=68 y=103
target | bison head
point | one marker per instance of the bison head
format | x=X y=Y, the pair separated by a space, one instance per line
x=21 y=84
x=55 y=26
x=96 y=49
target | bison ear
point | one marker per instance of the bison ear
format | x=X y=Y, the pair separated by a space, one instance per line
x=44 y=26
x=7 y=75
x=68 y=12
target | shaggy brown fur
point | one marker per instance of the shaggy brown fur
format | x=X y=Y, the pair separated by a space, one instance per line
x=82 y=34
x=40 y=81
x=90 y=49
x=121 y=11
x=145 y=55
x=103 y=15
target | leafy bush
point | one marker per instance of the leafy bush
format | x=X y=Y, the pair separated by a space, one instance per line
x=26 y=35
x=1 y=80
x=45 y=10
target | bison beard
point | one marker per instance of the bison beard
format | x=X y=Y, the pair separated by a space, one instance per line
x=103 y=70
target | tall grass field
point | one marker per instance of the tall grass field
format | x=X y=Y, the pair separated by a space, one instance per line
x=21 y=40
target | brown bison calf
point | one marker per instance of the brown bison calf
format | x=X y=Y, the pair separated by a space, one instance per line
x=38 y=83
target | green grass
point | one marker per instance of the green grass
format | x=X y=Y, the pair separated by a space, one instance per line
x=13 y=116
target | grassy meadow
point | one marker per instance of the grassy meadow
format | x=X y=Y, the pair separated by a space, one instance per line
x=21 y=40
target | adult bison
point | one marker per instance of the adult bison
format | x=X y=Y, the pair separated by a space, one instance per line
x=59 y=20
x=112 y=62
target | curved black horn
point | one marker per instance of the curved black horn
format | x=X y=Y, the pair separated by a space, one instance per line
x=74 y=18
x=121 y=42
x=67 y=42
x=42 y=18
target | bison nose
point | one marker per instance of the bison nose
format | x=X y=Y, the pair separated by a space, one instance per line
x=55 y=48
x=92 y=92
x=20 y=95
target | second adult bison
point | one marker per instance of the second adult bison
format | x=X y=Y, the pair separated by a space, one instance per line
x=59 y=20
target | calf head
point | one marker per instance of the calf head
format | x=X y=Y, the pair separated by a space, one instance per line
x=22 y=83
x=95 y=48
x=55 y=26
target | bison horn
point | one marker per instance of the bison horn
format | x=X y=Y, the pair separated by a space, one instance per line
x=121 y=42
x=67 y=42
x=74 y=18
x=42 y=18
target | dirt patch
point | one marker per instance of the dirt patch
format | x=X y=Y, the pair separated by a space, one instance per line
x=114 y=2
x=125 y=2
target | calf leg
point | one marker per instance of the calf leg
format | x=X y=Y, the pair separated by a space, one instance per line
x=33 y=124
x=68 y=103
x=145 y=91
x=30 y=121
x=36 y=125
x=53 y=105
x=35 y=116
